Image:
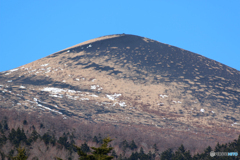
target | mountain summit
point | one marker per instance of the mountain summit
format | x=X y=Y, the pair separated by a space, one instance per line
x=132 y=81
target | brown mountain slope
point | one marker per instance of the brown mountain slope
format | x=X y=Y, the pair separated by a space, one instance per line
x=132 y=81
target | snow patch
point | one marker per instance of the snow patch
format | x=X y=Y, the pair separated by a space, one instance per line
x=86 y=99
x=53 y=90
x=44 y=64
x=71 y=91
x=93 y=87
x=113 y=97
x=122 y=104
x=163 y=96
x=93 y=95
x=202 y=110
x=13 y=70
x=54 y=95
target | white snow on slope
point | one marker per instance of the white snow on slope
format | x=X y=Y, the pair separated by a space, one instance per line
x=122 y=104
x=53 y=90
x=163 y=96
x=93 y=87
x=57 y=96
x=93 y=95
x=86 y=99
x=13 y=70
x=113 y=97
x=58 y=90
x=44 y=64
x=96 y=87
x=10 y=71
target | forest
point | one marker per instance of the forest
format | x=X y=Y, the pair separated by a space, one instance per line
x=25 y=139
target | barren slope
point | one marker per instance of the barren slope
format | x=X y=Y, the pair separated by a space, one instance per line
x=130 y=80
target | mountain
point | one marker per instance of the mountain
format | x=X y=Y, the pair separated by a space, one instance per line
x=134 y=82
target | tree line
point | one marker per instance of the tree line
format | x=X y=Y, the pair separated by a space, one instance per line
x=20 y=140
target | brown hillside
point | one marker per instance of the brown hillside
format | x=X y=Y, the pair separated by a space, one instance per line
x=135 y=82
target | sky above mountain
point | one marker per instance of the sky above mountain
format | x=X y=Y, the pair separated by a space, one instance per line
x=30 y=30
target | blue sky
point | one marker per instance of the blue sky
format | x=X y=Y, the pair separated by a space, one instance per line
x=30 y=30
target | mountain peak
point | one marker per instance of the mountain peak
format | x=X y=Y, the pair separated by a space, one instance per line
x=127 y=79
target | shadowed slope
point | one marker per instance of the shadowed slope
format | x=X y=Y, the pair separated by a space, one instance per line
x=148 y=61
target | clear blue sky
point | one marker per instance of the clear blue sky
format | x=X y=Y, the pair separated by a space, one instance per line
x=30 y=30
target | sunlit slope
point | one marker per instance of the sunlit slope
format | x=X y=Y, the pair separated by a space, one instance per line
x=129 y=80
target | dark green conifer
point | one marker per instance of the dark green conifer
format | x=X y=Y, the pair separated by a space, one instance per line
x=150 y=155
x=11 y=152
x=155 y=148
x=5 y=125
x=120 y=157
x=206 y=154
x=181 y=153
x=238 y=145
x=141 y=151
x=114 y=154
x=133 y=146
x=33 y=127
x=85 y=148
x=134 y=156
x=95 y=139
x=25 y=122
x=217 y=147
x=41 y=125
x=21 y=154
x=124 y=146
x=34 y=135
x=64 y=141
x=47 y=138
x=100 y=153
x=166 y=155
x=100 y=140
x=3 y=140
x=12 y=135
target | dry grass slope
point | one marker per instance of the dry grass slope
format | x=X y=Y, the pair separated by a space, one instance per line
x=133 y=82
